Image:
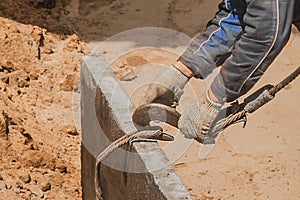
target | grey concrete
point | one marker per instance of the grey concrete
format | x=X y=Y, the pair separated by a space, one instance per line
x=106 y=112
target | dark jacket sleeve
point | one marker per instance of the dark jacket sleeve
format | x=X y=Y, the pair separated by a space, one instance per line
x=267 y=30
x=211 y=48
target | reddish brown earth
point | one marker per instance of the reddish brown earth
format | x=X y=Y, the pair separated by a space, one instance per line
x=40 y=52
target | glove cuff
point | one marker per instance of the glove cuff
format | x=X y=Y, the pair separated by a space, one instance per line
x=174 y=80
x=180 y=80
x=212 y=103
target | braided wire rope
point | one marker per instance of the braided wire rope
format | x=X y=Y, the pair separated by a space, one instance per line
x=115 y=145
x=231 y=119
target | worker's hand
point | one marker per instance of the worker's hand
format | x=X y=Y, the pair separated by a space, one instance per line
x=167 y=88
x=197 y=117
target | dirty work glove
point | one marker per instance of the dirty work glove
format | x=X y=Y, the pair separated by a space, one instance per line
x=167 y=88
x=196 y=119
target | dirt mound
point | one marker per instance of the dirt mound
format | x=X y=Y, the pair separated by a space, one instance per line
x=38 y=71
x=40 y=53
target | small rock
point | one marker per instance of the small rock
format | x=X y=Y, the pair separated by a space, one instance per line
x=123 y=64
x=3 y=77
x=68 y=83
x=25 y=178
x=72 y=130
x=45 y=186
x=61 y=166
x=51 y=165
x=62 y=169
x=26 y=30
x=36 y=191
x=1 y=178
x=3 y=36
x=129 y=76
x=49 y=49
x=17 y=190
x=2 y=185
x=34 y=146
x=19 y=185
x=8 y=185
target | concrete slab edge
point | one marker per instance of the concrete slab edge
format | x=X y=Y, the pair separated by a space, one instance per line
x=154 y=184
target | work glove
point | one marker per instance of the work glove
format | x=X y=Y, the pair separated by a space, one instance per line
x=167 y=88
x=197 y=117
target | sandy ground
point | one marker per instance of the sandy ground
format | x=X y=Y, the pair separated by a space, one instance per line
x=40 y=52
x=260 y=161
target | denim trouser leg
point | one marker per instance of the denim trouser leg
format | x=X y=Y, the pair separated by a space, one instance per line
x=266 y=30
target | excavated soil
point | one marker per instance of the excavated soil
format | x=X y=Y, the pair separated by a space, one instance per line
x=40 y=53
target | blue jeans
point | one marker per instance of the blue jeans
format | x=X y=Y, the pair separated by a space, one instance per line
x=245 y=36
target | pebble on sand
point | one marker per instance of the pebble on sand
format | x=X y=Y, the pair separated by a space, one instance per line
x=45 y=186
x=25 y=178
x=8 y=185
x=2 y=185
x=36 y=191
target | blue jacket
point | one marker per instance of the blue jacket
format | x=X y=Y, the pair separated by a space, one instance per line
x=245 y=36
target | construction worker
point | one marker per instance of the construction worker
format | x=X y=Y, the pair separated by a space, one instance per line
x=244 y=37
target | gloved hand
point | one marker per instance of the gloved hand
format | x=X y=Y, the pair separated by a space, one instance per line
x=167 y=88
x=196 y=119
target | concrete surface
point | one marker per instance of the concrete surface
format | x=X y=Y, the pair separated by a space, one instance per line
x=106 y=115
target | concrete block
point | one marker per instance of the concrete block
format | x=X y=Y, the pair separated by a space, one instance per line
x=106 y=112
